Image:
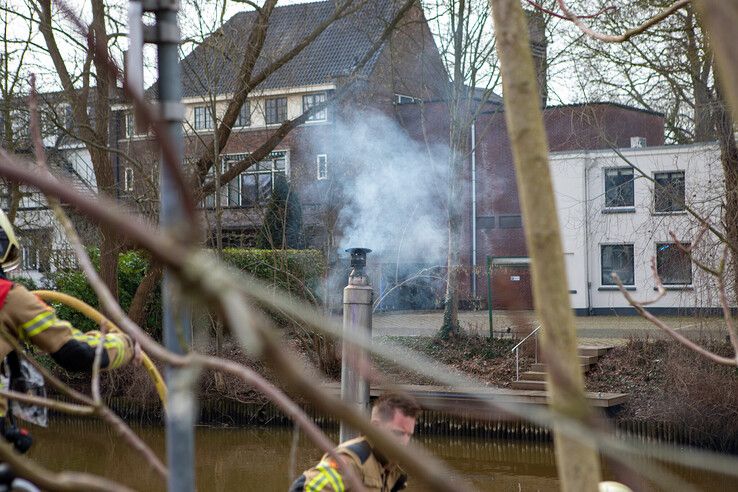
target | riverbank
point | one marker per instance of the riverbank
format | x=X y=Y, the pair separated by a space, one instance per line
x=674 y=394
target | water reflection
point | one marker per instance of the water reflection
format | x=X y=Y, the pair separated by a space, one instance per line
x=258 y=459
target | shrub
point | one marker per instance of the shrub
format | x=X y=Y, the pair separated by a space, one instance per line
x=298 y=272
x=132 y=266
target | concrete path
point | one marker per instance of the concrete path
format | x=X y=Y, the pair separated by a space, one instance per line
x=597 y=330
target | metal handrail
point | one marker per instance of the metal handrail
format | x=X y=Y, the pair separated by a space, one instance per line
x=516 y=349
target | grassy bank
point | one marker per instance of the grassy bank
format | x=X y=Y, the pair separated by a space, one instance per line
x=667 y=383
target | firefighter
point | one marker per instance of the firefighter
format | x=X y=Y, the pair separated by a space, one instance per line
x=29 y=320
x=393 y=412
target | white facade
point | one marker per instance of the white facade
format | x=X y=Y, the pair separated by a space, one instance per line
x=604 y=225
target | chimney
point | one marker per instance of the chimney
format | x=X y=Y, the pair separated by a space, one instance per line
x=358 y=298
x=538 y=46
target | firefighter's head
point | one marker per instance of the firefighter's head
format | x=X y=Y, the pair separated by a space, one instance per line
x=396 y=413
x=9 y=249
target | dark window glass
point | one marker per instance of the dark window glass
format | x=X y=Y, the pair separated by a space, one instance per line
x=310 y=100
x=276 y=110
x=249 y=189
x=510 y=222
x=203 y=118
x=669 y=191
x=673 y=264
x=619 y=191
x=486 y=222
x=244 y=116
x=617 y=258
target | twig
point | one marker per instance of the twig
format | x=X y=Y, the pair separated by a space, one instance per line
x=606 y=38
x=550 y=12
x=60 y=406
x=639 y=307
x=727 y=314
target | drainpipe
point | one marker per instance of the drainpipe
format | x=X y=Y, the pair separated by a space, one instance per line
x=357 y=323
x=587 y=163
x=474 y=207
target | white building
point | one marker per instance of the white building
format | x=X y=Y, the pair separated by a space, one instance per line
x=617 y=215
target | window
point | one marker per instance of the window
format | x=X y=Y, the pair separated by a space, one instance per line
x=252 y=187
x=244 y=116
x=402 y=99
x=130 y=122
x=310 y=100
x=35 y=248
x=31 y=257
x=31 y=200
x=276 y=110
x=617 y=258
x=486 y=222
x=619 y=190
x=510 y=222
x=128 y=179
x=68 y=117
x=322 y=166
x=668 y=192
x=203 y=118
x=673 y=264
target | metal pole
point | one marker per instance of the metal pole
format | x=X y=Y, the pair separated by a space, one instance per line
x=489 y=295
x=357 y=323
x=181 y=406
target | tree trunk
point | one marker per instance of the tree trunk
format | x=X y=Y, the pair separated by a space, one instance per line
x=577 y=459
x=140 y=302
x=729 y=159
x=458 y=152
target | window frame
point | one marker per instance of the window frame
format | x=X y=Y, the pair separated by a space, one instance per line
x=618 y=208
x=666 y=283
x=672 y=200
x=502 y=217
x=203 y=119
x=324 y=175
x=235 y=187
x=277 y=107
x=321 y=115
x=610 y=282
x=128 y=177
x=241 y=115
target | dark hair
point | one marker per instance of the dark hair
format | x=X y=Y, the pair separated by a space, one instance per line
x=386 y=405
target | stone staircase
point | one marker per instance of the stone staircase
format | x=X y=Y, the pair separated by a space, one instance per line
x=535 y=379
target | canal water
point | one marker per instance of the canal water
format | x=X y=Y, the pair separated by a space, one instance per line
x=260 y=459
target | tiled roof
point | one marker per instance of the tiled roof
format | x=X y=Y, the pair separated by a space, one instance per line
x=212 y=67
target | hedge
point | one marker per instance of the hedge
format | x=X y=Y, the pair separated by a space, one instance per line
x=298 y=272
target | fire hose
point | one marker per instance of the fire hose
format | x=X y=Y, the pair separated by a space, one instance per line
x=96 y=316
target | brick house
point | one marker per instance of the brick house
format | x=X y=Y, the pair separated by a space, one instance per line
x=492 y=220
x=407 y=67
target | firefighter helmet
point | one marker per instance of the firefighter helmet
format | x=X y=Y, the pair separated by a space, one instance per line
x=10 y=256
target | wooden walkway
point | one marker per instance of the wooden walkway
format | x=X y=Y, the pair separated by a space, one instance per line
x=431 y=397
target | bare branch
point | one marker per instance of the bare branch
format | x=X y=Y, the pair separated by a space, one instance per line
x=630 y=32
x=638 y=306
x=59 y=406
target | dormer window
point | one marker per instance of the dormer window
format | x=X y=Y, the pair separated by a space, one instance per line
x=244 y=116
x=311 y=100
x=203 y=118
x=276 y=110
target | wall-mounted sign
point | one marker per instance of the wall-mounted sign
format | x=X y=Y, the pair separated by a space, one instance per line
x=515 y=278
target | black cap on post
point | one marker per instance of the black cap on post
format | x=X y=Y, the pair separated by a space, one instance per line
x=358 y=259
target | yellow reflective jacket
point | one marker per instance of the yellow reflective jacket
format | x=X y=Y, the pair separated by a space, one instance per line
x=27 y=318
x=376 y=477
